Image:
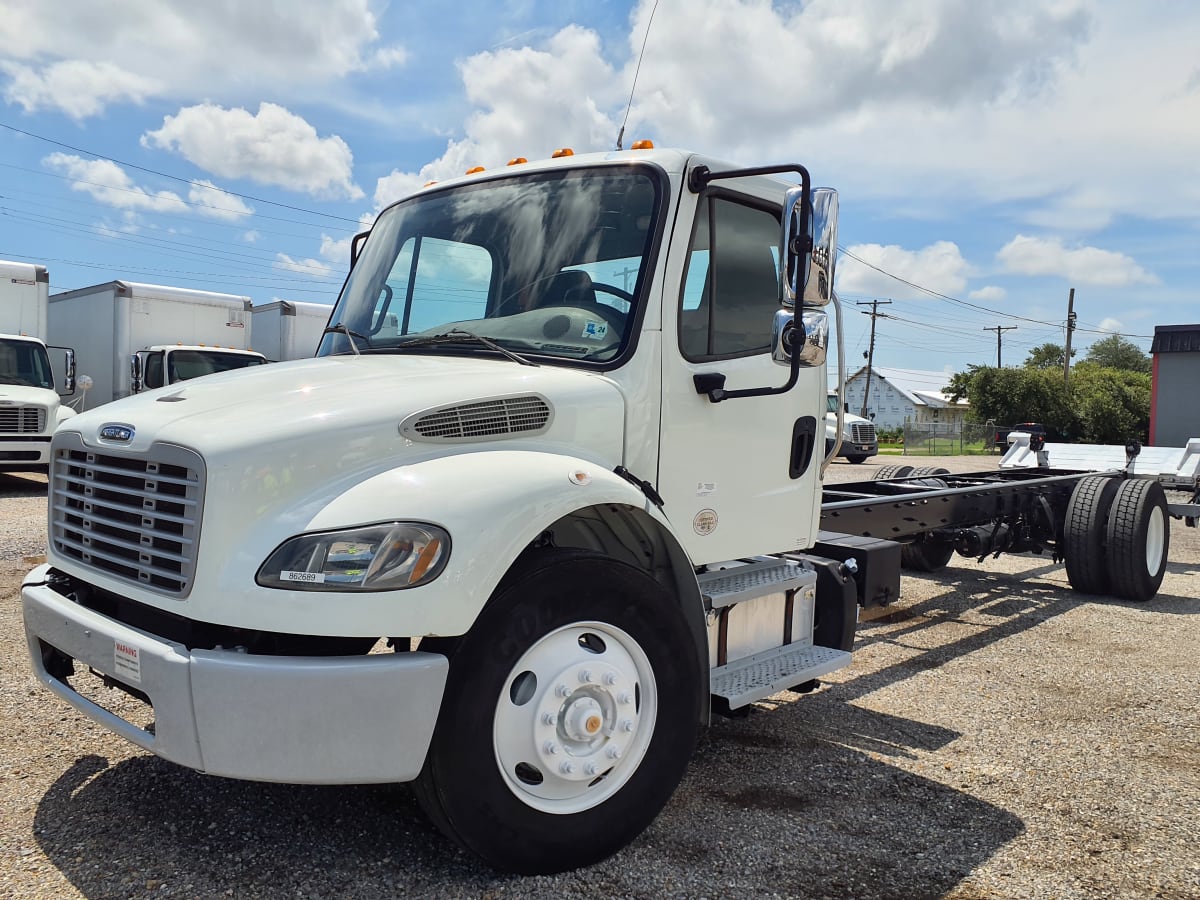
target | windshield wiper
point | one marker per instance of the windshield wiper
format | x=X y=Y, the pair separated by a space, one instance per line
x=458 y=335
x=339 y=328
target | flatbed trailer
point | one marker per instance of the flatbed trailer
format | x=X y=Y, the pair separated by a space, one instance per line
x=1102 y=510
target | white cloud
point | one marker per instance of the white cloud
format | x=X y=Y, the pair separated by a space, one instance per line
x=528 y=102
x=108 y=183
x=988 y=294
x=79 y=56
x=251 y=237
x=1110 y=324
x=313 y=268
x=210 y=200
x=1025 y=255
x=939 y=267
x=77 y=87
x=274 y=147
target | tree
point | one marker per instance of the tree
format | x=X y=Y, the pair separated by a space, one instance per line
x=1111 y=405
x=1010 y=395
x=1047 y=356
x=1115 y=352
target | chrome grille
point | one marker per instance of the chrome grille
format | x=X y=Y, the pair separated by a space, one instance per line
x=133 y=516
x=22 y=419
x=489 y=418
x=862 y=434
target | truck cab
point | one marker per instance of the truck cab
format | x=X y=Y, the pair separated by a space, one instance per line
x=859 y=441
x=157 y=366
x=557 y=462
x=29 y=404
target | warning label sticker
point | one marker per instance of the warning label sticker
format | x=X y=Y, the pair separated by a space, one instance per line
x=127 y=663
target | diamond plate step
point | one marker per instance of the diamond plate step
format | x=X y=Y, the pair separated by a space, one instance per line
x=730 y=586
x=763 y=674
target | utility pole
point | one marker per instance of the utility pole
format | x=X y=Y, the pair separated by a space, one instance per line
x=1070 y=328
x=874 y=314
x=1000 y=329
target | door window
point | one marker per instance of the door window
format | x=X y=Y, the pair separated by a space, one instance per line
x=731 y=288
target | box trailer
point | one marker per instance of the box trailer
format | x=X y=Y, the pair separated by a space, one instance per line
x=130 y=336
x=30 y=406
x=289 y=329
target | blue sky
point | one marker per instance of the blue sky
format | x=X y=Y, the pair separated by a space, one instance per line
x=989 y=155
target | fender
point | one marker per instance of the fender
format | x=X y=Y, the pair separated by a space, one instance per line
x=494 y=504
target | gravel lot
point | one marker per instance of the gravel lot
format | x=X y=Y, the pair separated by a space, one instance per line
x=997 y=736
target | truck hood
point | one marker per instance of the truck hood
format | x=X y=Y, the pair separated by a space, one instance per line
x=348 y=411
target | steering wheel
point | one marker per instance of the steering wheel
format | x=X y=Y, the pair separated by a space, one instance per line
x=613 y=315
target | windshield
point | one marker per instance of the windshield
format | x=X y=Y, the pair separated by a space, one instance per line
x=185 y=364
x=25 y=363
x=549 y=264
x=831 y=403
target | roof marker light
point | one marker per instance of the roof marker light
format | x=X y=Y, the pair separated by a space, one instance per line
x=517 y=160
x=642 y=145
x=429 y=184
x=562 y=151
x=475 y=169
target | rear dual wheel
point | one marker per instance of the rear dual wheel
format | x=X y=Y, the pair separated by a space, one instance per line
x=569 y=716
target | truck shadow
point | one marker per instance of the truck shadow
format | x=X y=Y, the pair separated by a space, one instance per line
x=22 y=484
x=151 y=827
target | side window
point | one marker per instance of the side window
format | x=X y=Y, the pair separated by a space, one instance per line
x=153 y=376
x=450 y=282
x=730 y=292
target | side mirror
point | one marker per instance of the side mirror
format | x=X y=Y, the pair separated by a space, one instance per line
x=807 y=335
x=69 y=378
x=808 y=247
x=135 y=374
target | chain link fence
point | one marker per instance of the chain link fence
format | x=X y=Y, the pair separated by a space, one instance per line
x=948 y=439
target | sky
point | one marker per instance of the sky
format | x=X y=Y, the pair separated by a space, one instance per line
x=989 y=156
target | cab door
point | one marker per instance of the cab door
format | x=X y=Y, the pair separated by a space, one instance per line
x=740 y=476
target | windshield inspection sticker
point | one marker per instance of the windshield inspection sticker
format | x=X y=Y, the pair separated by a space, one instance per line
x=595 y=331
x=127 y=664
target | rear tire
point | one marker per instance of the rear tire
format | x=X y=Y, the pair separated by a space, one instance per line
x=1085 y=532
x=1139 y=536
x=891 y=471
x=926 y=471
x=569 y=716
x=856 y=459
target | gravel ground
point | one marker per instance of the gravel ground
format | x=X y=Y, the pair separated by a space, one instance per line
x=997 y=736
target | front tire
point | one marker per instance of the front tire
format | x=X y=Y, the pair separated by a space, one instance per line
x=569 y=716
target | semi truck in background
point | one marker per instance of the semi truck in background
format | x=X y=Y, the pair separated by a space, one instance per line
x=131 y=337
x=30 y=406
x=289 y=329
x=859 y=441
x=548 y=498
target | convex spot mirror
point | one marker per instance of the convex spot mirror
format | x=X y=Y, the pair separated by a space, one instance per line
x=804 y=274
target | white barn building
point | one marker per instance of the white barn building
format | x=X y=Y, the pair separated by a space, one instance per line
x=906 y=396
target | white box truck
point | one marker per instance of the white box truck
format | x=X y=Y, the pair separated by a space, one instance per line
x=131 y=337
x=289 y=329
x=549 y=497
x=30 y=406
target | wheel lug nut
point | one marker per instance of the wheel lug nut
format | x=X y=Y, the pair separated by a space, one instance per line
x=627 y=725
x=585 y=675
x=610 y=678
x=547 y=718
x=563 y=690
x=624 y=697
x=614 y=752
x=549 y=748
x=592 y=769
x=566 y=767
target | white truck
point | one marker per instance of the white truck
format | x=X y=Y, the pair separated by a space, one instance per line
x=289 y=329
x=858 y=438
x=548 y=498
x=30 y=406
x=131 y=337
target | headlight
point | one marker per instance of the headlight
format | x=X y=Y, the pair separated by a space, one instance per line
x=385 y=557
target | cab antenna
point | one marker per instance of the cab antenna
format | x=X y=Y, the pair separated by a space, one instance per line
x=629 y=105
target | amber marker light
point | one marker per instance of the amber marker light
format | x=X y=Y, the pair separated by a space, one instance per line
x=474 y=169
x=642 y=145
x=561 y=152
x=429 y=184
x=517 y=160
x=425 y=559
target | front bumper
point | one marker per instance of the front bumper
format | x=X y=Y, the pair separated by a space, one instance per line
x=24 y=451
x=304 y=720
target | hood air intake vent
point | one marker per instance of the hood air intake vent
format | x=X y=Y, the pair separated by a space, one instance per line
x=474 y=421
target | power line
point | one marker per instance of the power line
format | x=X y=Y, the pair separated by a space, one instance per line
x=1000 y=329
